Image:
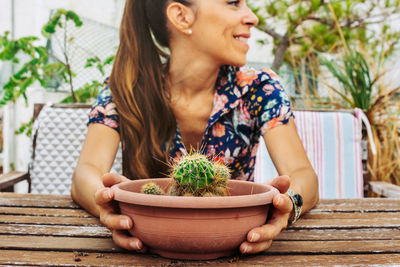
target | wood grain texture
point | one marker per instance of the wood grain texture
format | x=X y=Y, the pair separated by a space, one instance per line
x=278 y=247
x=340 y=235
x=55 y=230
x=11 y=178
x=54 y=243
x=45 y=230
x=49 y=220
x=36 y=201
x=356 y=205
x=343 y=223
x=45 y=258
x=49 y=212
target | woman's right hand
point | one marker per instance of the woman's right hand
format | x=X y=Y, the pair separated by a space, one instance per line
x=117 y=223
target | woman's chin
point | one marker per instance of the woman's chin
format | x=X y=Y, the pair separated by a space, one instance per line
x=238 y=63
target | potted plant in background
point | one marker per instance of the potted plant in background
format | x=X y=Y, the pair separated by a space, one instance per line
x=197 y=213
x=35 y=64
x=360 y=38
x=40 y=75
x=381 y=103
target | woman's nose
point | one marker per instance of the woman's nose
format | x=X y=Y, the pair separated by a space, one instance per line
x=250 y=18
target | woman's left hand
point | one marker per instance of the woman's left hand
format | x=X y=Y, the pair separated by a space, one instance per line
x=260 y=238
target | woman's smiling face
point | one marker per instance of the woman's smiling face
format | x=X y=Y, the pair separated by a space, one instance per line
x=221 y=30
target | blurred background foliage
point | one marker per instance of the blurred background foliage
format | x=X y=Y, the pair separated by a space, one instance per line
x=341 y=54
x=34 y=63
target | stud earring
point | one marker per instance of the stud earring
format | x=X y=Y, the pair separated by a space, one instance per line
x=189 y=31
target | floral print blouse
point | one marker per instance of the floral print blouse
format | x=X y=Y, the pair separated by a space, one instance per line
x=247 y=104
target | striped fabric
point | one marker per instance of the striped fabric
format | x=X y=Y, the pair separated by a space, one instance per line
x=332 y=141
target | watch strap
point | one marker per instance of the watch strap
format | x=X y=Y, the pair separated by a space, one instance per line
x=297 y=201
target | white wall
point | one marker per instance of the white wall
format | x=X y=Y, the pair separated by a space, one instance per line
x=258 y=52
x=30 y=15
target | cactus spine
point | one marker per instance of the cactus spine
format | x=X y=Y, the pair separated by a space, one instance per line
x=152 y=189
x=194 y=175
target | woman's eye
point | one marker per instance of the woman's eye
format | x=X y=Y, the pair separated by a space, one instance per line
x=234 y=3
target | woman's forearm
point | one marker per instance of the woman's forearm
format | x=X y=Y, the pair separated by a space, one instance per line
x=305 y=182
x=86 y=180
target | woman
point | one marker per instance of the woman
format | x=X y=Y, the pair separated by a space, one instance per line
x=160 y=106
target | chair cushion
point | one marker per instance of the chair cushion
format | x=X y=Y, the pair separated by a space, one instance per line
x=332 y=141
x=60 y=132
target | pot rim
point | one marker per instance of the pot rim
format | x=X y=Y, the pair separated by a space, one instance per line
x=265 y=198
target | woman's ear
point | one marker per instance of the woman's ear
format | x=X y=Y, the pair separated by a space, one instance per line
x=180 y=16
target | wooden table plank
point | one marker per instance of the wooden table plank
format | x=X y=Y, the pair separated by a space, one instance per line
x=58 y=243
x=323 y=247
x=55 y=230
x=364 y=204
x=47 y=230
x=50 y=220
x=82 y=213
x=45 y=258
x=344 y=234
x=330 y=205
x=289 y=234
x=349 y=215
x=37 y=201
x=380 y=222
x=347 y=224
x=323 y=260
x=278 y=247
x=50 y=212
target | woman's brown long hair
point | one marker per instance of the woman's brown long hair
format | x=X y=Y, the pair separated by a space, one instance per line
x=147 y=121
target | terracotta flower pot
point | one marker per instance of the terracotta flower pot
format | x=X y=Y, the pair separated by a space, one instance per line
x=194 y=227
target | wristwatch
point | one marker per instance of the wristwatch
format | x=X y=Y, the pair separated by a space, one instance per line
x=297 y=201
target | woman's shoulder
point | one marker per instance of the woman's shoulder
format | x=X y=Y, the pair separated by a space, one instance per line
x=104 y=96
x=264 y=97
x=260 y=82
x=104 y=110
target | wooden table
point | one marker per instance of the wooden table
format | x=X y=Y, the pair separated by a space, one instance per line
x=52 y=230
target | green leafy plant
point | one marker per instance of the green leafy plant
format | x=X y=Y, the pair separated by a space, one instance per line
x=355 y=79
x=59 y=21
x=35 y=59
x=36 y=65
x=25 y=128
x=91 y=89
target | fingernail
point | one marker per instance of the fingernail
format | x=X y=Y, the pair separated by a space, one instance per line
x=278 y=200
x=125 y=224
x=246 y=249
x=107 y=194
x=135 y=244
x=255 y=237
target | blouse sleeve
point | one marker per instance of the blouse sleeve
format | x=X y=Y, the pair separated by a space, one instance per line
x=104 y=110
x=272 y=103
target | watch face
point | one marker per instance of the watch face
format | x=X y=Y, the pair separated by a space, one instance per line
x=299 y=200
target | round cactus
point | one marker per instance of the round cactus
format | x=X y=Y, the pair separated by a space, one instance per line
x=194 y=173
x=152 y=189
x=222 y=172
